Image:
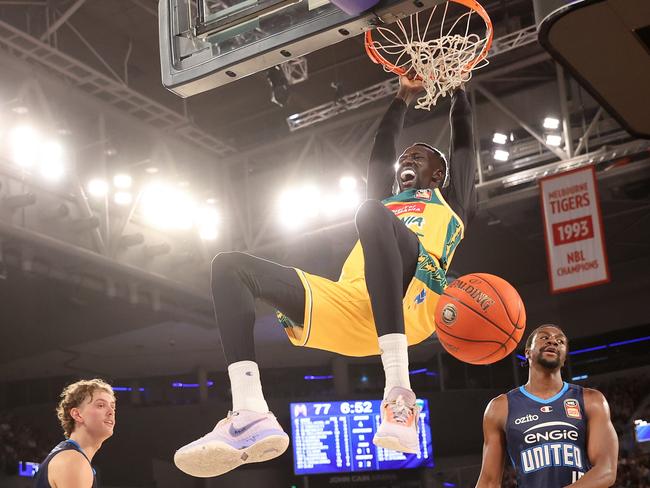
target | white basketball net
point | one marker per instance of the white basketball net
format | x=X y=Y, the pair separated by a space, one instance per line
x=440 y=63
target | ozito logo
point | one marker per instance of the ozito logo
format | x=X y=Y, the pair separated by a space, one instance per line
x=528 y=418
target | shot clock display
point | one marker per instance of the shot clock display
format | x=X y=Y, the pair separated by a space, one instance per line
x=336 y=437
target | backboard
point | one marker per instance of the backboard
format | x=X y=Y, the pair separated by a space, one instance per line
x=208 y=43
x=605 y=45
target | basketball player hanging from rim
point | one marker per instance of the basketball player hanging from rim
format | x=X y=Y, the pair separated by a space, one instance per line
x=383 y=302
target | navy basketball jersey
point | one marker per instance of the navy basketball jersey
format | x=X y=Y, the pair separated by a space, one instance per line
x=41 y=480
x=547 y=439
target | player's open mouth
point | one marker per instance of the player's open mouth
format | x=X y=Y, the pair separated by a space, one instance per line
x=550 y=351
x=109 y=422
x=407 y=175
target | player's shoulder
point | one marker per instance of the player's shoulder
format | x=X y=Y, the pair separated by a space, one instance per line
x=593 y=397
x=496 y=413
x=497 y=408
x=70 y=467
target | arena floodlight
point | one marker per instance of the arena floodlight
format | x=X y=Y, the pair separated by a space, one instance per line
x=167 y=207
x=123 y=198
x=499 y=138
x=24 y=145
x=208 y=233
x=553 y=140
x=52 y=166
x=122 y=181
x=501 y=155
x=152 y=170
x=551 y=123
x=97 y=187
x=305 y=203
x=348 y=183
x=206 y=216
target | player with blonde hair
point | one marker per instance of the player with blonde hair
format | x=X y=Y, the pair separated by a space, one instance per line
x=87 y=416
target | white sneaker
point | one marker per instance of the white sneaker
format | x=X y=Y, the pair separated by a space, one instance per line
x=242 y=437
x=400 y=414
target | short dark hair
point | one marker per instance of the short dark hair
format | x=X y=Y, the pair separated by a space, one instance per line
x=531 y=336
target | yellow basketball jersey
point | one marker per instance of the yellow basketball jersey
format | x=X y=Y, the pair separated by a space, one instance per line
x=427 y=214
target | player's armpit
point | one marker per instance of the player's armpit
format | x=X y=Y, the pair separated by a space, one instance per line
x=494 y=443
x=70 y=469
x=602 y=443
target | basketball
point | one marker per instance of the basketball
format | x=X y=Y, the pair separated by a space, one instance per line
x=480 y=318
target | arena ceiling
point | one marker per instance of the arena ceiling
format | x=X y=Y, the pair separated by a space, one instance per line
x=55 y=328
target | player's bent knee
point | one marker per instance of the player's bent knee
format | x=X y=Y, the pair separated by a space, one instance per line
x=226 y=261
x=371 y=214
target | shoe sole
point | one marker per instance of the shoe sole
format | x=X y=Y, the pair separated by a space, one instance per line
x=393 y=443
x=215 y=458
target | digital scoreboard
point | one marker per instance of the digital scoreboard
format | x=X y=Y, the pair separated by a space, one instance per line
x=336 y=437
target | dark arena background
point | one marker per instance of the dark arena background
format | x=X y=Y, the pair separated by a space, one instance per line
x=115 y=194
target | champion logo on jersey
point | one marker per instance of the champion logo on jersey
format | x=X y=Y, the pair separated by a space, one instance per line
x=423 y=194
x=546 y=409
x=572 y=408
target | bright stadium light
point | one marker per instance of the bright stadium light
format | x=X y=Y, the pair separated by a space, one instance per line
x=499 y=138
x=24 y=145
x=152 y=170
x=206 y=217
x=52 y=160
x=551 y=123
x=97 y=187
x=347 y=183
x=501 y=155
x=304 y=203
x=167 y=207
x=207 y=220
x=122 y=181
x=123 y=198
x=553 y=139
x=208 y=233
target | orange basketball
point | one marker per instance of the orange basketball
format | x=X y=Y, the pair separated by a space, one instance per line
x=480 y=318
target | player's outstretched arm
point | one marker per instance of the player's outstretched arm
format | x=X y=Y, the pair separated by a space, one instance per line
x=461 y=194
x=602 y=443
x=494 y=443
x=381 y=170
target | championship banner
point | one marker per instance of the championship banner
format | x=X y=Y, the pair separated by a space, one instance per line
x=573 y=230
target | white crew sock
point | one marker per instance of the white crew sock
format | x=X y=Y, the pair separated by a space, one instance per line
x=394 y=357
x=246 y=387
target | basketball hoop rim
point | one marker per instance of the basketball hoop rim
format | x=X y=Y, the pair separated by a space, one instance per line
x=377 y=58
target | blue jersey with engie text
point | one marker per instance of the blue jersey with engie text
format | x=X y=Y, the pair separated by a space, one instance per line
x=547 y=439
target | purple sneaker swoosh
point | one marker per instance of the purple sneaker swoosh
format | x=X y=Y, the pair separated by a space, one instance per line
x=237 y=432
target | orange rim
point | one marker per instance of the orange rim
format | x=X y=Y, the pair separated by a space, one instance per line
x=377 y=58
